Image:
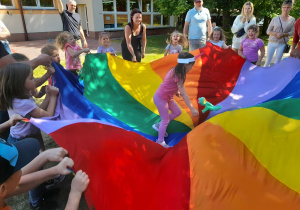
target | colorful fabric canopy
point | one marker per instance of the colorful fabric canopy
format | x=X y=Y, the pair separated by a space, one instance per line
x=244 y=156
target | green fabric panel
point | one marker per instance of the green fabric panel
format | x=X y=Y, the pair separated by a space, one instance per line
x=286 y=107
x=102 y=89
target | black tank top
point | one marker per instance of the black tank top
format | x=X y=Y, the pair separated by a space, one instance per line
x=135 y=40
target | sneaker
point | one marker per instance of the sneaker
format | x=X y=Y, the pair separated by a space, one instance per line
x=45 y=205
x=163 y=143
x=156 y=127
x=52 y=182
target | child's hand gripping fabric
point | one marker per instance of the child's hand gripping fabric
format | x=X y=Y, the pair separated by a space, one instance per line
x=14 y=119
x=78 y=186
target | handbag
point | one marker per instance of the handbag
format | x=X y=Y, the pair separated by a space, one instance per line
x=240 y=33
x=287 y=47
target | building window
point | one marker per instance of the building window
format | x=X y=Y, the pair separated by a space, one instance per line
x=146 y=20
x=121 y=5
x=133 y=4
x=7 y=3
x=166 y=20
x=156 y=20
x=116 y=13
x=122 y=20
x=108 y=5
x=38 y=3
x=146 y=6
x=109 y=21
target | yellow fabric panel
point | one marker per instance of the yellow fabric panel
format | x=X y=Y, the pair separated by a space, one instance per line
x=273 y=139
x=133 y=77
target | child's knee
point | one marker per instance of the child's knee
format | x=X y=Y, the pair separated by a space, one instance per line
x=178 y=113
x=165 y=122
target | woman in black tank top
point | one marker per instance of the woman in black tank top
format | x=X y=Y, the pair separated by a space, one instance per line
x=134 y=42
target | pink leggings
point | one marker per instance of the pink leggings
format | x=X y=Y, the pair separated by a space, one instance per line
x=163 y=109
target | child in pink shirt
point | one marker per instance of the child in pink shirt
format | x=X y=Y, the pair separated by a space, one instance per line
x=163 y=98
x=251 y=45
x=66 y=42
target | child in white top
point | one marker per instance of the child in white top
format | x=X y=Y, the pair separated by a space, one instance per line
x=174 y=46
x=16 y=84
x=218 y=38
x=104 y=41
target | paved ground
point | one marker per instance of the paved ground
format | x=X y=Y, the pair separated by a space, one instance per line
x=33 y=48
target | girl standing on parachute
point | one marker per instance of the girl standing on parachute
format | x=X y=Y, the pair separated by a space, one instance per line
x=163 y=97
x=174 y=46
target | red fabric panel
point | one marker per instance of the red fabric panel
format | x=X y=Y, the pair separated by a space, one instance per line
x=220 y=71
x=126 y=170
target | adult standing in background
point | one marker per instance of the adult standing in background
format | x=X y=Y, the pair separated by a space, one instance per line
x=197 y=24
x=241 y=24
x=279 y=31
x=134 y=43
x=71 y=21
x=295 y=52
x=4 y=33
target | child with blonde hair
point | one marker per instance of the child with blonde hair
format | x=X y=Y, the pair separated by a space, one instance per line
x=177 y=40
x=66 y=42
x=52 y=51
x=218 y=38
x=104 y=41
x=251 y=45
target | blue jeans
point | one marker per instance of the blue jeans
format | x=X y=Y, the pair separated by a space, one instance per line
x=196 y=44
x=28 y=149
x=272 y=47
x=6 y=46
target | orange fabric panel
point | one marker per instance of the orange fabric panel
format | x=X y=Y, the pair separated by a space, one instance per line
x=226 y=175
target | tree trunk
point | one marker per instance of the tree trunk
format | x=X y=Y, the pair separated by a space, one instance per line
x=226 y=20
x=265 y=25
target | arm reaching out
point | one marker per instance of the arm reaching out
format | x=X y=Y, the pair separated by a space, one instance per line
x=59 y=6
x=187 y=100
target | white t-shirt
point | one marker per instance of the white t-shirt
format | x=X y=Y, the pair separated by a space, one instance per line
x=173 y=50
x=2 y=26
x=220 y=43
x=23 y=107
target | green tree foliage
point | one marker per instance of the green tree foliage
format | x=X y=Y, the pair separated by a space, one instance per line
x=173 y=7
x=227 y=9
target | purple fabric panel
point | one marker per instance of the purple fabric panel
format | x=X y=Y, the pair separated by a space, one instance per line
x=50 y=126
x=258 y=84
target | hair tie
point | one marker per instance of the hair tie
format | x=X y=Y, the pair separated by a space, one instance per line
x=186 y=60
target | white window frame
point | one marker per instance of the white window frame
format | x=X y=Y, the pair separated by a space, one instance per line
x=8 y=7
x=115 y=13
x=38 y=6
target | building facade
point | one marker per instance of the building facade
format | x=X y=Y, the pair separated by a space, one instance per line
x=39 y=19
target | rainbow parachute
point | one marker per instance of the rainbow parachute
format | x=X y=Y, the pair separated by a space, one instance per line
x=244 y=156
